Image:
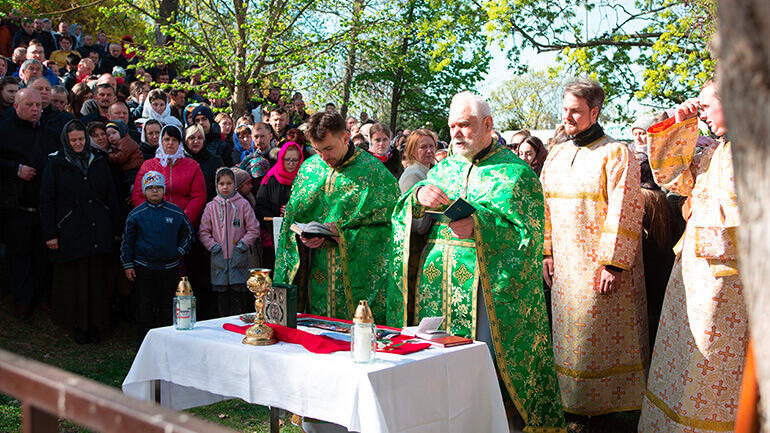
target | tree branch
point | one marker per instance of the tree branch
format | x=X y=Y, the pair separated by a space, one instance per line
x=639 y=40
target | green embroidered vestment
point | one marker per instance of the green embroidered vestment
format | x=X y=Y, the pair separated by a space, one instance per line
x=358 y=197
x=505 y=257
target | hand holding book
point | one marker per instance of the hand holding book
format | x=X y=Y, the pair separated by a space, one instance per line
x=314 y=234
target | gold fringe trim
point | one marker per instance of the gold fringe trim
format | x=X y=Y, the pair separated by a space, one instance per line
x=452 y=242
x=530 y=429
x=622 y=231
x=621 y=369
x=602 y=412
x=686 y=420
x=581 y=195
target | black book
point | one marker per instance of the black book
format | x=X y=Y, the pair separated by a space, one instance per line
x=457 y=210
x=313 y=230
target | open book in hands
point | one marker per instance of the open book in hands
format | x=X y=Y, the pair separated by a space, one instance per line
x=314 y=230
x=456 y=210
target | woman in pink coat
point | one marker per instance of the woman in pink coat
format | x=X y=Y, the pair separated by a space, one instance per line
x=228 y=228
x=185 y=186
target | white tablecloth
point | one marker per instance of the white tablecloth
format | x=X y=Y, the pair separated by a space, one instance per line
x=435 y=390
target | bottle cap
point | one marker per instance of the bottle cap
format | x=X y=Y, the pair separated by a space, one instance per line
x=363 y=313
x=184 y=288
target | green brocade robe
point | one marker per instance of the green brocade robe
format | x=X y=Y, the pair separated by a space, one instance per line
x=505 y=257
x=358 y=197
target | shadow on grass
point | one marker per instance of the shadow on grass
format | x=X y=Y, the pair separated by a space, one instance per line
x=107 y=362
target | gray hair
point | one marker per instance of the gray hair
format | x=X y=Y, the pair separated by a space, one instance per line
x=28 y=63
x=586 y=89
x=479 y=107
x=59 y=89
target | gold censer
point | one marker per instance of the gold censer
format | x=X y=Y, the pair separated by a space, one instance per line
x=259 y=283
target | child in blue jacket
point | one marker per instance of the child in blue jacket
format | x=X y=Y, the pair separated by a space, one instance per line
x=156 y=236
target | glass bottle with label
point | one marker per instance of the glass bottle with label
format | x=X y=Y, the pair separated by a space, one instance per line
x=184 y=306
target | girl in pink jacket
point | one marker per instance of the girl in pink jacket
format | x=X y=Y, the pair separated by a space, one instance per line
x=228 y=228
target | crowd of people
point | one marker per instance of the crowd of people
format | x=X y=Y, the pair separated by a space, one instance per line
x=117 y=179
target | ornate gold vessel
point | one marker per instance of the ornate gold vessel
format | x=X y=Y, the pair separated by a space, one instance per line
x=259 y=283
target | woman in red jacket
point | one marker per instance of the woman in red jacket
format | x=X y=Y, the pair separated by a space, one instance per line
x=184 y=180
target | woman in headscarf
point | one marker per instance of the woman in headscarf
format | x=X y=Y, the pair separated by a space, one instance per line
x=273 y=194
x=80 y=218
x=195 y=148
x=185 y=186
x=533 y=152
x=150 y=138
x=203 y=116
x=156 y=107
x=242 y=143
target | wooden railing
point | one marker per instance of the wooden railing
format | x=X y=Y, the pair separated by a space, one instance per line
x=47 y=393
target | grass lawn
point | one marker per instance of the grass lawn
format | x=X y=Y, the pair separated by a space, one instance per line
x=107 y=362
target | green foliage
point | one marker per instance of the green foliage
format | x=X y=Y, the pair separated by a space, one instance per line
x=531 y=101
x=413 y=56
x=86 y=13
x=653 y=50
x=240 y=46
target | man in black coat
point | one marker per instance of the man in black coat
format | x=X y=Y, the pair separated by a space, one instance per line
x=114 y=57
x=51 y=118
x=24 y=146
x=26 y=34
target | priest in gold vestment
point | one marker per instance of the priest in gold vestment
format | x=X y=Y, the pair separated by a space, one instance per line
x=593 y=261
x=697 y=364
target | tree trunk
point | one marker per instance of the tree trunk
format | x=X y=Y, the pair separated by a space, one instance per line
x=350 y=62
x=398 y=83
x=239 y=90
x=744 y=79
x=166 y=10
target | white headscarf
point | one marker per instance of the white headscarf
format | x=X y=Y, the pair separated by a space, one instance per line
x=162 y=156
x=165 y=119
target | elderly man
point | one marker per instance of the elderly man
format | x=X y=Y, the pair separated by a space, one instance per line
x=698 y=359
x=24 y=146
x=50 y=117
x=482 y=272
x=28 y=71
x=593 y=262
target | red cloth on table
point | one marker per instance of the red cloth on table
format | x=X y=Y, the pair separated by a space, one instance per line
x=325 y=344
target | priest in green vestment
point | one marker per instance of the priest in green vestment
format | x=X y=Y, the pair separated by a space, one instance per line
x=353 y=193
x=483 y=273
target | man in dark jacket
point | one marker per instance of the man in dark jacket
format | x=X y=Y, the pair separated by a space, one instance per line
x=24 y=146
x=51 y=118
x=113 y=58
x=87 y=46
x=45 y=37
x=104 y=96
x=26 y=34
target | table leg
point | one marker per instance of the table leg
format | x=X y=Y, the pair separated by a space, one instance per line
x=274 y=426
x=156 y=391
